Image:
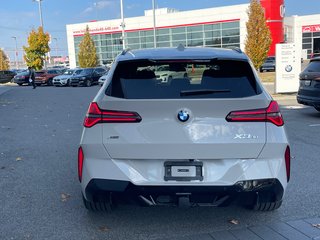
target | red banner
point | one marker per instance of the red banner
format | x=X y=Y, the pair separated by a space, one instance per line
x=311 y=28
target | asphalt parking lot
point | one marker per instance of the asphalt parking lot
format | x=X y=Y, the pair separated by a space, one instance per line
x=40 y=195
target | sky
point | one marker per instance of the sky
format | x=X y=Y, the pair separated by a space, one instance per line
x=19 y=17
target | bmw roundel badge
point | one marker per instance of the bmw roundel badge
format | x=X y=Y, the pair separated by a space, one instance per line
x=183 y=115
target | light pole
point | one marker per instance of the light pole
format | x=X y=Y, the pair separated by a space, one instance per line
x=56 y=45
x=122 y=25
x=16 y=52
x=40 y=11
x=154 y=23
x=41 y=24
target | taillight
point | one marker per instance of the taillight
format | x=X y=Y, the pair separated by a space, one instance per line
x=96 y=115
x=287 y=158
x=270 y=114
x=80 y=163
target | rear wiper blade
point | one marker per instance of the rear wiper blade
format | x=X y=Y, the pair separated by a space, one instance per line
x=202 y=92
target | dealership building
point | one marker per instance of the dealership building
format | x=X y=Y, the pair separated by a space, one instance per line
x=211 y=27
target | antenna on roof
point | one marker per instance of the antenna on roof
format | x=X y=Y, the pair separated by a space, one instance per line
x=181 y=47
x=237 y=49
x=125 y=51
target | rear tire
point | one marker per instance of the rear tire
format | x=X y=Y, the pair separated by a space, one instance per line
x=88 y=83
x=267 y=206
x=20 y=84
x=102 y=204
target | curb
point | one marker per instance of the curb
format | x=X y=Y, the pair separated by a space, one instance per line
x=284 y=96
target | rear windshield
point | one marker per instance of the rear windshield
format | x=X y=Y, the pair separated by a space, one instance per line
x=313 y=67
x=87 y=71
x=172 y=79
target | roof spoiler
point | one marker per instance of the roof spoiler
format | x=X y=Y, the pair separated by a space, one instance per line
x=237 y=49
x=124 y=51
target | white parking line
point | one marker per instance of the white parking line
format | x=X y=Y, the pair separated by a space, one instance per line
x=294 y=107
x=314 y=125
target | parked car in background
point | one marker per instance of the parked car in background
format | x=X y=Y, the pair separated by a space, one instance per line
x=64 y=79
x=103 y=78
x=202 y=140
x=16 y=71
x=22 y=78
x=46 y=76
x=87 y=77
x=309 y=88
x=269 y=65
x=6 y=76
x=166 y=73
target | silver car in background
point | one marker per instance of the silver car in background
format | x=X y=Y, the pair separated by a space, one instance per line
x=208 y=137
x=103 y=78
x=64 y=79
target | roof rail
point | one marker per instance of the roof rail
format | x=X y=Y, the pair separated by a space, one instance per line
x=237 y=49
x=124 y=51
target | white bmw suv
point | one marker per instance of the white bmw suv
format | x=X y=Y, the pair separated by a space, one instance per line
x=210 y=138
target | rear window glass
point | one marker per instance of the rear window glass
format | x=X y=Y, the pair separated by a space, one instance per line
x=313 y=67
x=172 y=79
x=87 y=71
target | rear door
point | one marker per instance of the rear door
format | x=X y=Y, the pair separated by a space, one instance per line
x=186 y=118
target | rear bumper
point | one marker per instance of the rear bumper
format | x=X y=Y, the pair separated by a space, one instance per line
x=268 y=68
x=77 y=82
x=37 y=81
x=60 y=83
x=309 y=101
x=267 y=189
x=22 y=80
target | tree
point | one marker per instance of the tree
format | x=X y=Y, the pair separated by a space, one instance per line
x=35 y=53
x=4 y=61
x=258 y=40
x=87 y=51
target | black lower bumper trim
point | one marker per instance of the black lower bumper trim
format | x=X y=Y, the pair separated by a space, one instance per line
x=269 y=190
x=313 y=102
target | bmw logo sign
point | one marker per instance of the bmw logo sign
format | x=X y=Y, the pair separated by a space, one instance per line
x=183 y=115
x=288 y=68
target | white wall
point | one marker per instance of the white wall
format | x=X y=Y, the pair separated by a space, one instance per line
x=163 y=20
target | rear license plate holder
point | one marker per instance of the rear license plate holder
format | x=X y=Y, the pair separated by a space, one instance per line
x=183 y=171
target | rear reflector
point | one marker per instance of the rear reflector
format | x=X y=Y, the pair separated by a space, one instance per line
x=96 y=115
x=80 y=163
x=287 y=158
x=270 y=114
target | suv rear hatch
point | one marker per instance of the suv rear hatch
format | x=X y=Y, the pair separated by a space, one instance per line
x=212 y=90
x=310 y=80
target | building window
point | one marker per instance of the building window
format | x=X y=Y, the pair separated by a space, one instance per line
x=211 y=35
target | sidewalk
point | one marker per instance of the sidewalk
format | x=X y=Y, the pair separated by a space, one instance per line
x=269 y=86
x=293 y=230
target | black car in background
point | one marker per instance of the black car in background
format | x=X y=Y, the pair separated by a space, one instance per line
x=309 y=89
x=22 y=78
x=87 y=77
x=6 y=76
x=269 y=65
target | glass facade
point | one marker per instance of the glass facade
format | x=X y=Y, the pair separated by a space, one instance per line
x=311 y=42
x=225 y=34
